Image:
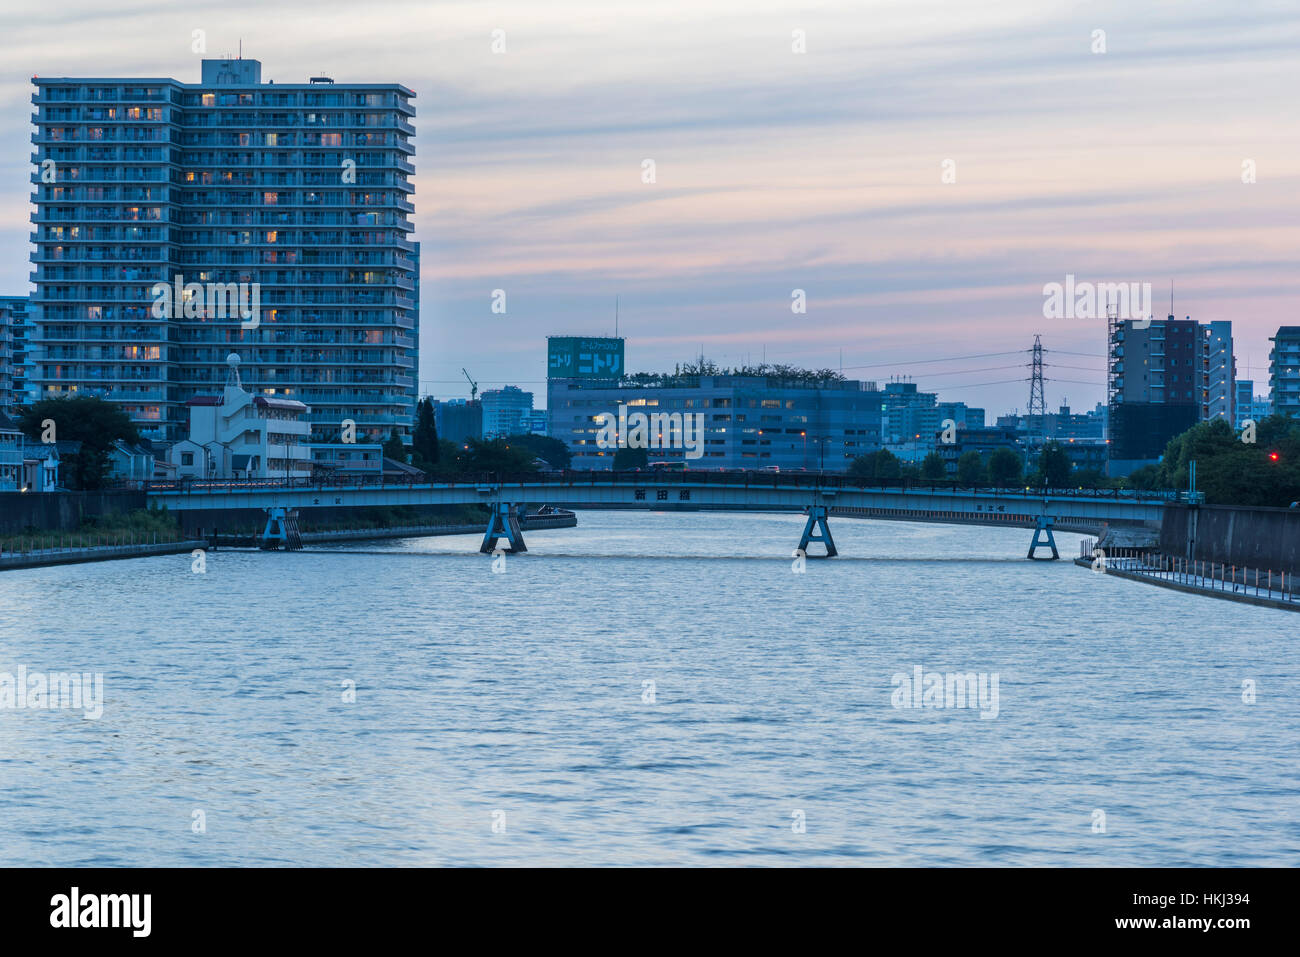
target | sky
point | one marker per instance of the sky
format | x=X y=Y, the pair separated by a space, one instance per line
x=919 y=169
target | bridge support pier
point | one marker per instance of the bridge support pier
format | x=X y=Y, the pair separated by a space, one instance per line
x=503 y=522
x=282 y=530
x=817 y=519
x=1044 y=525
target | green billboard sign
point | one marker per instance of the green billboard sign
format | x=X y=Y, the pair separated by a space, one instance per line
x=580 y=357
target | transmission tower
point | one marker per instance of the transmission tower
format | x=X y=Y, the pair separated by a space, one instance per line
x=1037 y=404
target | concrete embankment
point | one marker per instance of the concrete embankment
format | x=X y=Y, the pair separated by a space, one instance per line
x=531 y=523
x=1241 y=591
x=37 y=558
x=63 y=511
x=1234 y=535
x=95 y=553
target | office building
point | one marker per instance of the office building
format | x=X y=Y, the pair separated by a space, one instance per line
x=506 y=411
x=909 y=417
x=179 y=222
x=750 y=422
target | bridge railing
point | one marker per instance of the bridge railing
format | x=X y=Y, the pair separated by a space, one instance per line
x=652 y=477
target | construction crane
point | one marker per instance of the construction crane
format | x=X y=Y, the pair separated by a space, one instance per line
x=473 y=386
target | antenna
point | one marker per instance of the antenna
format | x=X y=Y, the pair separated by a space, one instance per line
x=616 y=317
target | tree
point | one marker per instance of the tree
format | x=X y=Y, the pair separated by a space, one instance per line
x=1004 y=468
x=932 y=467
x=424 y=439
x=882 y=465
x=450 y=459
x=626 y=459
x=553 y=451
x=1090 y=478
x=1230 y=471
x=496 y=455
x=393 y=447
x=1146 y=478
x=1054 y=466
x=87 y=419
x=970 y=468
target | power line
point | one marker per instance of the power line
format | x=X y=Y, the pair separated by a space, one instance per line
x=972 y=385
x=918 y=362
x=1017 y=365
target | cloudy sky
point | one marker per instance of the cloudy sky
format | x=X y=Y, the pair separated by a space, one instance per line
x=777 y=170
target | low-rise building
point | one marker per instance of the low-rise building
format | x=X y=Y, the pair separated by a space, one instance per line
x=985 y=441
x=344 y=459
x=40 y=466
x=241 y=435
x=128 y=462
x=11 y=455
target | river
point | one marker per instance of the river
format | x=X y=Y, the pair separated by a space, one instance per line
x=647 y=689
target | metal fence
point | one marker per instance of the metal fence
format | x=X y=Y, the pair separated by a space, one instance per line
x=723 y=477
x=60 y=542
x=1193 y=573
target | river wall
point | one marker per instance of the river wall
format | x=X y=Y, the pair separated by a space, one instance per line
x=62 y=511
x=1267 y=538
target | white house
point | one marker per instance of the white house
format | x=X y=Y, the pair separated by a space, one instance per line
x=241 y=435
x=40 y=467
x=129 y=463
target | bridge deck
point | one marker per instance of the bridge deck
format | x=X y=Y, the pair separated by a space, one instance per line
x=1084 y=509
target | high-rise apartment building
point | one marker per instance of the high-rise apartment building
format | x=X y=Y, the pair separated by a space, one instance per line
x=1284 y=370
x=1220 y=373
x=6 y=359
x=1157 y=387
x=177 y=223
x=1164 y=377
x=14 y=314
x=1256 y=408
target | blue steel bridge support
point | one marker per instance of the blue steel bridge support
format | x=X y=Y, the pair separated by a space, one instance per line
x=817 y=519
x=281 y=529
x=503 y=522
x=1044 y=525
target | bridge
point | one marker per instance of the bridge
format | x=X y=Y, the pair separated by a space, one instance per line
x=819 y=496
